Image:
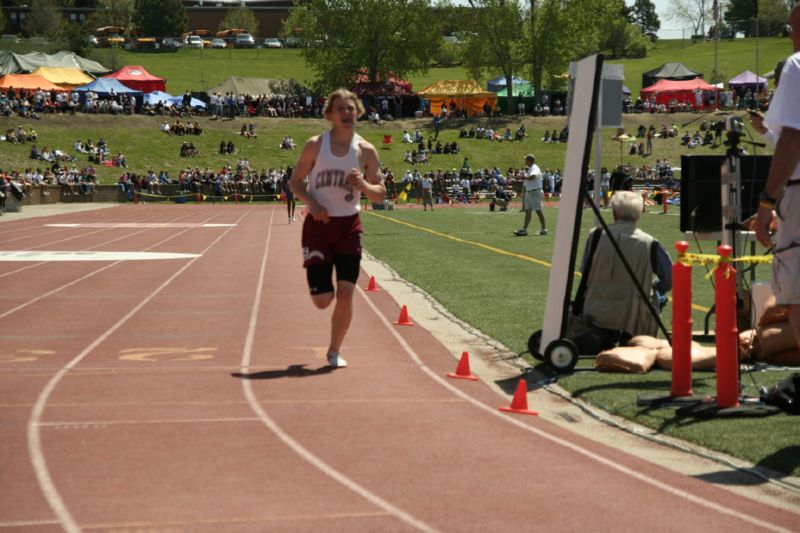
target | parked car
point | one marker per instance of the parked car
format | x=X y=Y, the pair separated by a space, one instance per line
x=170 y=43
x=92 y=40
x=272 y=42
x=194 y=41
x=218 y=43
x=293 y=42
x=245 y=40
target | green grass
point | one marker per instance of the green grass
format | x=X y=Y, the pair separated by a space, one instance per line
x=500 y=287
x=500 y=294
x=200 y=69
x=147 y=148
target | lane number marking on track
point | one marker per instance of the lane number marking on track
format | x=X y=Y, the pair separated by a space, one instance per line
x=23 y=355
x=154 y=355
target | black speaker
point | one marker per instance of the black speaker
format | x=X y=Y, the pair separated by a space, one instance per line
x=701 y=197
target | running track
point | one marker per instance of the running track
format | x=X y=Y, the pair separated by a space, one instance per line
x=192 y=395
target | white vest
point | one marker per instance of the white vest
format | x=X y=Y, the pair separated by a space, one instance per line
x=327 y=183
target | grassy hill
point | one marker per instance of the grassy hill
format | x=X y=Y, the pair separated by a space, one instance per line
x=199 y=69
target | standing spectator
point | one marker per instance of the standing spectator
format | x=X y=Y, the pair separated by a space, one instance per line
x=781 y=193
x=332 y=162
x=427 y=191
x=532 y=200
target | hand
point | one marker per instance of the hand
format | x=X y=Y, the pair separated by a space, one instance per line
x=757 y=120
x=763 y=220
x=318 y=213
x=356 y=179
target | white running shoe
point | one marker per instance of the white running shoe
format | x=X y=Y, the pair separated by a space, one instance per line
x=543 y=232
x=335 y=360
x=293 y=219
x=521 y=233
x=290 y=220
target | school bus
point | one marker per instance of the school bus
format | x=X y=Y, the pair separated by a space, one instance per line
x=110 y=36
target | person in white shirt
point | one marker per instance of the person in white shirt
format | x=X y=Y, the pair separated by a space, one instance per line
x=781 y=195
x=427 y=191
x=532 y=201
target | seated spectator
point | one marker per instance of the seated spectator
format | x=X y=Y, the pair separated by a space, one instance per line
x=223 y=149
x=500 y=200
x=546 y=138
x=408 y=158
x=230 y=148
x=287 y=143
x=607 y=296
x=686 y=139
x=199 y=131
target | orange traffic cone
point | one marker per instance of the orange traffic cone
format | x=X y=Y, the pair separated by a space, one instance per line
x=462 y=371
x=520 y=402
x=404 y=320
x=372 y=287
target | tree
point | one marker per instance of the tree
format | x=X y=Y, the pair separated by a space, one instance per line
x=645 y=17
x=242 y=18
x=567 y=30
x=495 y=41
x=382 y=38
x=76 y=37
x=160 y=18
x=772 y=17
x=44 y=19
x=112 y=13
x=691 y=12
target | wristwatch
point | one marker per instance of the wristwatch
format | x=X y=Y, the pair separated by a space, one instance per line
x=766 y=200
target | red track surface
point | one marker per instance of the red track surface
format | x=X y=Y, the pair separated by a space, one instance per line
x=192 y=395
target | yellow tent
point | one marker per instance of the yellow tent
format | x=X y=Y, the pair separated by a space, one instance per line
x=63 y=75
x=466 y=94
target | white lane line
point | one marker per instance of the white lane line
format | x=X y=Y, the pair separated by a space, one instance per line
x=293 y=444
x=83 y=255
x=714 y=506
x=87 y=276
x=104 y=243
x=51 y=494
x=129 y=225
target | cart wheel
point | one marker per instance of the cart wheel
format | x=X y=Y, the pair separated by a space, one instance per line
x=561 y=356
x=534 y=342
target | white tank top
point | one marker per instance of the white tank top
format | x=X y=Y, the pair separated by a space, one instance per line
x=327 y=183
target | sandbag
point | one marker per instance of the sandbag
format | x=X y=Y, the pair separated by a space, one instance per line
x=785 y=358
x=775 y=338
x=629 y=359
x=646 y=341
x=703 y=357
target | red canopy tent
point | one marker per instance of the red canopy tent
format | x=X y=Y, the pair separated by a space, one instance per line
x=682 y=91
x=139 y=79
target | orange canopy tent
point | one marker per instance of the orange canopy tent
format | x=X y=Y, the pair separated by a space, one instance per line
x=467 y=95
x=28 y=82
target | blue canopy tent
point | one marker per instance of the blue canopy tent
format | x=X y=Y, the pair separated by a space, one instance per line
x=155 y=97
x=499 y=83
x=104 y=87
x=194 y=102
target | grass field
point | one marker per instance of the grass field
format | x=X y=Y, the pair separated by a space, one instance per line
x=466 y=258
x=469 y=261
x=200 y=69
x=145 y=147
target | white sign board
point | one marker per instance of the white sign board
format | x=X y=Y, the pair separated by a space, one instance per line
x=581 y=127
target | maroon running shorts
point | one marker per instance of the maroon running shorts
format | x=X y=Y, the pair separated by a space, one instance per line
x=339 y=236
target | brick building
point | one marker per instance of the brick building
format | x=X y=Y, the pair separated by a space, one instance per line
x=202 y=14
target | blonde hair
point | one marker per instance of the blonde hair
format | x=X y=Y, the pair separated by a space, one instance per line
x=344 y=94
